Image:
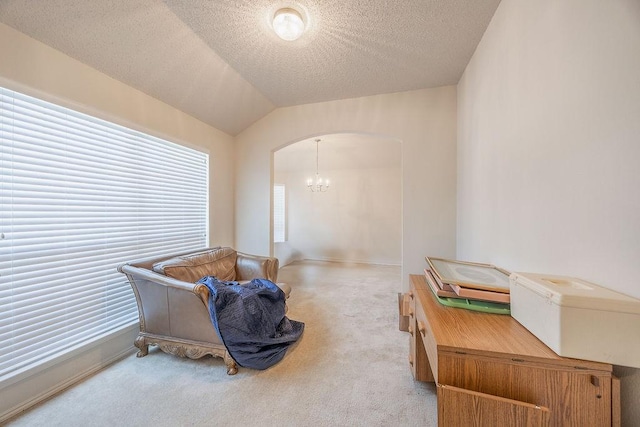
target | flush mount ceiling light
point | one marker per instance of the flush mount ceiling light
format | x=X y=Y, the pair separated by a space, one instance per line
x=288 y=24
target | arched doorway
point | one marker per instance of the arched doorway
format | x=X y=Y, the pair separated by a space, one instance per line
x=359 y=219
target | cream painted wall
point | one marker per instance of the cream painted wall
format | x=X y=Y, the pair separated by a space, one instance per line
x=36 y=69
x=31 y=67
x=425 y=122
x=549 y=144
x=358 y=219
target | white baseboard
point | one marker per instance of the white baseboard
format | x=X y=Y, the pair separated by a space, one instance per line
x=32 y=388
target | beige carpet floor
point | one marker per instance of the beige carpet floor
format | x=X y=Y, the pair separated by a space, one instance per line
x=349 y=369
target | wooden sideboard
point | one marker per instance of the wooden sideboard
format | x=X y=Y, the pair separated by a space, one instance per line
x=491 y=371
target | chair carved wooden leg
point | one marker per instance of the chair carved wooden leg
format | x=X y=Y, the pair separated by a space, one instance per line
x=142 y=345
x=232 y=367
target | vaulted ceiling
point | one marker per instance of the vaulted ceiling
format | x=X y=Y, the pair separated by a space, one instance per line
x=221 y=62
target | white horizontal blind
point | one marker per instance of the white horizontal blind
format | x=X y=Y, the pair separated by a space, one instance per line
x=279 y=213
x=78 y=196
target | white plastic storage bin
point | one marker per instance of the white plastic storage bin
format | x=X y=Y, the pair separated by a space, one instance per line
x=578 y=319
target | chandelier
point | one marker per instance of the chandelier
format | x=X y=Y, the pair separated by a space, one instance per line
x=317 y=185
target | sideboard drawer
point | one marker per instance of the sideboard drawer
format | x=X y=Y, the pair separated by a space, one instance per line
x=458 y=407
x=536 y=383
x=423 y=333
x=417 y=355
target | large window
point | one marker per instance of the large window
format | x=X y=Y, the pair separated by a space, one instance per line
x=78 y=196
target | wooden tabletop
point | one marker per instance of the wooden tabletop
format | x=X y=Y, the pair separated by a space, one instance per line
x=456 y=329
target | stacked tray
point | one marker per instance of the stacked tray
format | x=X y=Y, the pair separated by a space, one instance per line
x=469 y=285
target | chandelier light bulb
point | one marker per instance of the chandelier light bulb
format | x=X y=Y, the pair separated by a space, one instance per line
x=288 y=24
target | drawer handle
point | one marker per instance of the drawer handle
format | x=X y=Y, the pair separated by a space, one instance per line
x=410 y=330
x=422 y=328
x=410 y=312
x=411 y=294
x=410 y=360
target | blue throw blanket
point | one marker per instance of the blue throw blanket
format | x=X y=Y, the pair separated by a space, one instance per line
x=250 y=321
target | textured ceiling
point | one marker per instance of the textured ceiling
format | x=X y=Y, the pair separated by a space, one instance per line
x=220 y=61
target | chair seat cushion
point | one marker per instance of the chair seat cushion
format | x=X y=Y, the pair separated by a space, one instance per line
x=283 y=286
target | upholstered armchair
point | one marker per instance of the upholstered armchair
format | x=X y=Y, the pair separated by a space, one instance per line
x=173 y=309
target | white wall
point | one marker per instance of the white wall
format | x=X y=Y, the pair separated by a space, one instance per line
x=357 y=220
x=33 y=68
x=423 y=120
x=549 y=144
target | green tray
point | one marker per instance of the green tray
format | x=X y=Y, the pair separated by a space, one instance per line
x=475 y=305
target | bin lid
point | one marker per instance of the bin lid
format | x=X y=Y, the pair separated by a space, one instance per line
x=573 y=292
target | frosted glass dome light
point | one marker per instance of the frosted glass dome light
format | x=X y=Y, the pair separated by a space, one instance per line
x=288 y=24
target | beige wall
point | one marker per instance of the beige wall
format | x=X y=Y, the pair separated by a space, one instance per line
x=31 y=67
x=357 y=220
x=423 y=120
x=549 y=144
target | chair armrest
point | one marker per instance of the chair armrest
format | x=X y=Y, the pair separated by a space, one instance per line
x=203 y=292
x=161 y=279
x=197 y=288
x=256 y=267
x=170 y=307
